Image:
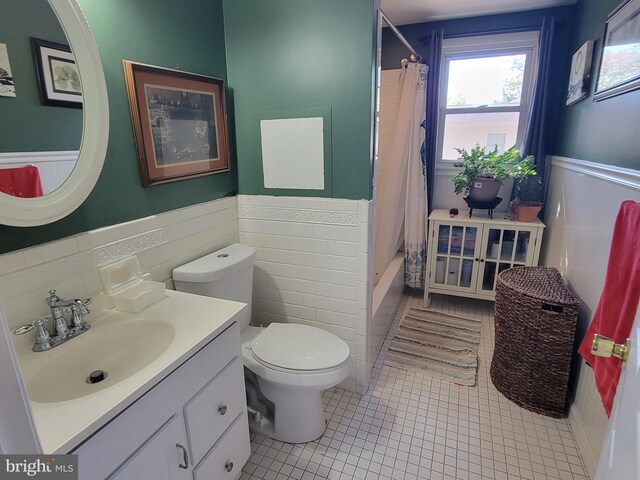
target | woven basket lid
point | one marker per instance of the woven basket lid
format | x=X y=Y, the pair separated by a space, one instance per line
x=543 y=283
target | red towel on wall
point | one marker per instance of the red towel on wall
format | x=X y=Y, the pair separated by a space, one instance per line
x=21 y=182
x=618 y=301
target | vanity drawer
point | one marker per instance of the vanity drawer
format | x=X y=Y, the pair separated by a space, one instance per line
x=228 y=456
x=210 y=412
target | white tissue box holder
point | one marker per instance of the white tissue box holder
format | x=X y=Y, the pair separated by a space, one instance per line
x=125 y=284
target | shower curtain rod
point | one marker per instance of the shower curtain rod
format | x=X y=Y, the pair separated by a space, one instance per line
x=404 y=41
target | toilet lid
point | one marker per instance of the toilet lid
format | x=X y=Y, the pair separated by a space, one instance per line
x=299 y=347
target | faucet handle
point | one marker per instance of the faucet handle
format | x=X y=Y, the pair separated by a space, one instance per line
x=43 y=337
x=78 y=310
x=83 y=306
x=30 y=326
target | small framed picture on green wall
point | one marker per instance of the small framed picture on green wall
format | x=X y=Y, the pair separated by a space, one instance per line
x=58 y=74
x=580 y=77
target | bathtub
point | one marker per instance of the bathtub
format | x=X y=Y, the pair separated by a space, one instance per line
x=386 y=299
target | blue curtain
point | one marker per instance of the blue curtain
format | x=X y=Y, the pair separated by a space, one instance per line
x=431 y=121
x=540 y=132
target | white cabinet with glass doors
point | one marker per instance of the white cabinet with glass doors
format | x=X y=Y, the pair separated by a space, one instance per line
x=466 y=254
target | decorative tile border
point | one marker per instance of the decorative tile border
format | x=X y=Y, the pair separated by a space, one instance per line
x=299 y=215
x=117 y=250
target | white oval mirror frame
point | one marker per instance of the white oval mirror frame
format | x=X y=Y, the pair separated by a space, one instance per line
x=28 y=212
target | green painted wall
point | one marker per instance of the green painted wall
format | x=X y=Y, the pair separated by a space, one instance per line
x=25 y=124
x=606 y=131
x=294 y=55
x=159 y=32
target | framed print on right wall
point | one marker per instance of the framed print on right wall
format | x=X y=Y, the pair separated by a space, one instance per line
x=620 y=61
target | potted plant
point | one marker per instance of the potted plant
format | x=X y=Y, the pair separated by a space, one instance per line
x=528 y=198
x=483 y=172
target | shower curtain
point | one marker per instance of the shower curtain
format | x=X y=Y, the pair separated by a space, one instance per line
x=401 y=196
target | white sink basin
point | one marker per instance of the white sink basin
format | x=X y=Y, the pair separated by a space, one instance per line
x=120 y=350
x=136 y=350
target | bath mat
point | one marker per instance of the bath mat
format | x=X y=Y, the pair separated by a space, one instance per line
x=437 y=343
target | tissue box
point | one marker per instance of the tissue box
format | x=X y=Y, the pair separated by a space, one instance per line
x=124 y=283
x=139 y=296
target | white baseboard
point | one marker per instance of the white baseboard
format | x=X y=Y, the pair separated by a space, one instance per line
x=582 y=441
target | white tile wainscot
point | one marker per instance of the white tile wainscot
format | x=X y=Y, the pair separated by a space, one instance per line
x=313 y=267
x=581 y=208
x=70 y=265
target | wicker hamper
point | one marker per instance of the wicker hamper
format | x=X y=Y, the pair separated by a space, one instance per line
x=535 y=321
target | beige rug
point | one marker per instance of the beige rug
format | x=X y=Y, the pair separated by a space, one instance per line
x=437 y=343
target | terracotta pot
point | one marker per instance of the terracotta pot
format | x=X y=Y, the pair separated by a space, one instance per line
x=484 y=189
x=527 y=213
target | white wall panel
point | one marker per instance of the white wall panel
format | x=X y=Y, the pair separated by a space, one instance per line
x=581 y=208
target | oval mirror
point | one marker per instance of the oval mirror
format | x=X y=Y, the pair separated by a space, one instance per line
x=44 y=163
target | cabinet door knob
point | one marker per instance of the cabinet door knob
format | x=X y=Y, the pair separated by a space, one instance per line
x=229 y=466
x=477 y=259
x=185 y=457
x=222 y=410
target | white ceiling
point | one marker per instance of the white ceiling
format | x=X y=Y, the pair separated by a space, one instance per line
x=402 y=12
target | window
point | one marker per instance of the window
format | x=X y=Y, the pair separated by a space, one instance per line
x=486 y=89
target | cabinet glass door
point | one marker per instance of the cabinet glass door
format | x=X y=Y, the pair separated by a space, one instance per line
x=456 y=249
x=504 y=248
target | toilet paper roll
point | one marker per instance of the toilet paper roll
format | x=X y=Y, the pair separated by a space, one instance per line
x=493 y=252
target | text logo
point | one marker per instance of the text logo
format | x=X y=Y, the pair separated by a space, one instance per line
x=49 y=467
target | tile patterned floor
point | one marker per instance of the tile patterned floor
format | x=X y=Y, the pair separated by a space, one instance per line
x=411 y=426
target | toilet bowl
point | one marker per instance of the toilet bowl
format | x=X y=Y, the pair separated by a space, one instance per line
x=292 y=364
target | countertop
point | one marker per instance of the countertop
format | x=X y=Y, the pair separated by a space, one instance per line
x=197 y=320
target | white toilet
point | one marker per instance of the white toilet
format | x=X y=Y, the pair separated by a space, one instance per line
x=287 y=366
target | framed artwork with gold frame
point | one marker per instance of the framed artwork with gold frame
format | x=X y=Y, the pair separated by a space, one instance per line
x=179 y=123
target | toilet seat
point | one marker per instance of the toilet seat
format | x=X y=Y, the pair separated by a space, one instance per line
x=299 y=348
x=288 y=378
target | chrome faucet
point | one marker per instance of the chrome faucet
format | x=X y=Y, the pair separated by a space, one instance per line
x=62 y=331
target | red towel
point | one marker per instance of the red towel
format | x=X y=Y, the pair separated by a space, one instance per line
x=618 y=301
x=21 y=182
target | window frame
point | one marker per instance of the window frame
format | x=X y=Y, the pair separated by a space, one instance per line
x=482 y=46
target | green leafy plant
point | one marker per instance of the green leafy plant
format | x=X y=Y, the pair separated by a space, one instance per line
x=528 y=191
x=480 y=163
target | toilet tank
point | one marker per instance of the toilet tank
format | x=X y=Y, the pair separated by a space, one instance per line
x=227 y=273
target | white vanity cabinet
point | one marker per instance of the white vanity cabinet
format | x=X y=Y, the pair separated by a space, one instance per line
x=466 y=254
x=191 y=425
x=162 y=457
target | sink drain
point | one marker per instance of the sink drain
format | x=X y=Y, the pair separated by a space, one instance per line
x=96 y=376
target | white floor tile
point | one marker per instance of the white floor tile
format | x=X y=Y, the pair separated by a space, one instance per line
x=412 y=426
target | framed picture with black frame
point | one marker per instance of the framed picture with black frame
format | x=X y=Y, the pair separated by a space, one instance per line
x=620 y=60
x=179 y=123
x=58 y=74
